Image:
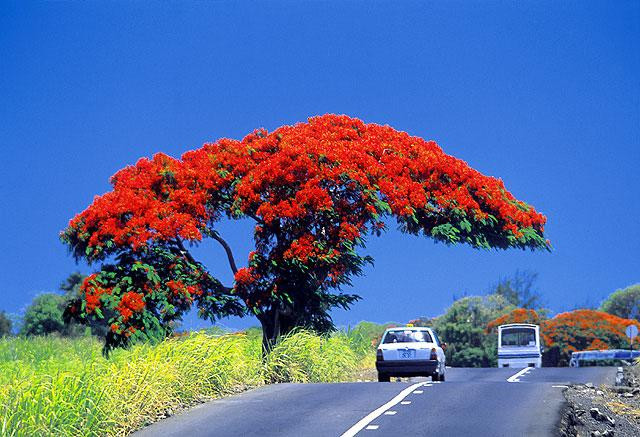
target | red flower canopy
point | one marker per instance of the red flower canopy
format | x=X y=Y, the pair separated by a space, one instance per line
x=315 y=190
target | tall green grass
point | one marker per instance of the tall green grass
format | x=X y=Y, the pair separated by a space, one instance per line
x=62 y=387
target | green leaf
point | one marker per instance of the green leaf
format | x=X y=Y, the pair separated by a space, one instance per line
x=465 y=225
x=98 y=312
x=446 y=232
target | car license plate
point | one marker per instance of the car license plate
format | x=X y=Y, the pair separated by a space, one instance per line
x=406 y=354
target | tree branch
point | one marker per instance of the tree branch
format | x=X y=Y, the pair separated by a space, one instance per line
x=232 y=261
x=184 y=251
x=192 y=260
x=255 y=217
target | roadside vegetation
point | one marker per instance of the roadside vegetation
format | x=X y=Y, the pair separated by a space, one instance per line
x=469 y=325
x=61 y=383
x=54 y=386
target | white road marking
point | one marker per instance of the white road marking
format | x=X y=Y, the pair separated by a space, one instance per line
x=514 y=378
x=418 y=392
x=390 y=413
x=372 y=427
x=366 y=420
x=559 y=386
x=405 y=402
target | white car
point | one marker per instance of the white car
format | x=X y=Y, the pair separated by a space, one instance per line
x=410 y=351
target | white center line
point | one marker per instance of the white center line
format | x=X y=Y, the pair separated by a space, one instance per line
x=418 y=392
x=390 y=413
x=405 y=402
x=366 y=420
x=514 y=378
x=559 y=386
x=372 y=427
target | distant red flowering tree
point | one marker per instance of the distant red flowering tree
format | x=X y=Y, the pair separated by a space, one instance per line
x=518 y=315
x=315 y=191
x=585 y=330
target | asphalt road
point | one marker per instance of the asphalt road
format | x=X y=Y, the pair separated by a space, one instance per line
x=473 y=402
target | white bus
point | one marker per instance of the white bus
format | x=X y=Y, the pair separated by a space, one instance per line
x=519 y=345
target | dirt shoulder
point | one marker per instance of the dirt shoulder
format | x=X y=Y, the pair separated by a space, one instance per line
x=603 y=411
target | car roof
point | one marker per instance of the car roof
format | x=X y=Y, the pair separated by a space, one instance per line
x=406 y=328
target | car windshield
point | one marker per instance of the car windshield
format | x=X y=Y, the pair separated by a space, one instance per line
x=407 y=336
x=519 y=337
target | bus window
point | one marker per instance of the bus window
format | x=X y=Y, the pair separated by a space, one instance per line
x=518 y=337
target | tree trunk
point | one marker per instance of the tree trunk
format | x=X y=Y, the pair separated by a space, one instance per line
x=274 y=324
x=270 y=330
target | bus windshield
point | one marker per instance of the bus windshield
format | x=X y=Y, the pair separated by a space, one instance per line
x=518 y=337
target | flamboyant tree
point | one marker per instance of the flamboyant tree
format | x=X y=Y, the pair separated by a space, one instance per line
x=518 y=315
x=315 y=191
x=585 y=330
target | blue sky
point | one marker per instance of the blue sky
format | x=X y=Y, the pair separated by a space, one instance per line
x=544 y=95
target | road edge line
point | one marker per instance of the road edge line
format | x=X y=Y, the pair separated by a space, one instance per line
x=514 y=378
x=362 y=423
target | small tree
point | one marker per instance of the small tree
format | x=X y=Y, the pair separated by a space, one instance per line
x=463 y=327
x=315 y=191
x=5 y=324
x=519 y=290
x=624 y=303
x=44 y=315
x=71 y=286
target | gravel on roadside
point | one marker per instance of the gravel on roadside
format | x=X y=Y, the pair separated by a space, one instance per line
x=603 y=411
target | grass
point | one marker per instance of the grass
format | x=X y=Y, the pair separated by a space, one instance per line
x=53 y=386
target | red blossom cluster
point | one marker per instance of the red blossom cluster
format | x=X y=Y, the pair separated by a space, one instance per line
x=93 y=291
x=586 y=329
x=518 y=315
x=243 y=276
x=152 y=200
x=178 y=288
x=301 y=249
x=130 y=303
